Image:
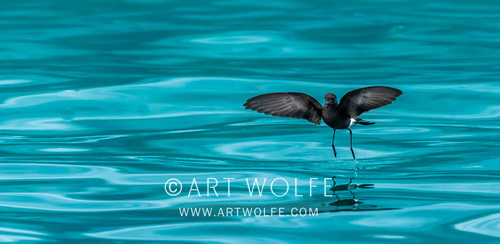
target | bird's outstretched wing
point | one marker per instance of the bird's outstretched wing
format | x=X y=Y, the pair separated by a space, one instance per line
x=287 y=104
x=358 y=101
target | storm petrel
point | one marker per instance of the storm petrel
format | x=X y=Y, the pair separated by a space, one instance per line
x=341 y=115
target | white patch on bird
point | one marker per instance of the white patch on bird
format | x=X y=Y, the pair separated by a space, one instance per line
x=353 y=123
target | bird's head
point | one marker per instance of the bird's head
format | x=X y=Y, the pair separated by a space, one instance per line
x=331 y=99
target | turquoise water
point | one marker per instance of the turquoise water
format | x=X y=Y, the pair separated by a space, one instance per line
x=104 y=101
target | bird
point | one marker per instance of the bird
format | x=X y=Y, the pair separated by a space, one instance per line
x=337 y=115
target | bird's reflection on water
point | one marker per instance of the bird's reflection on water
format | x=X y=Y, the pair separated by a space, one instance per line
x=350 y=201
x=348 y=197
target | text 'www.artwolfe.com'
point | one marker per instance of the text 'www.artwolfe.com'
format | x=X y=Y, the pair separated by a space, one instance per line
x=247 y=212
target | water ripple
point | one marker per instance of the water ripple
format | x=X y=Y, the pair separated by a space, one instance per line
x=487 y=225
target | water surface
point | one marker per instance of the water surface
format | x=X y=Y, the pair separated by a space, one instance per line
x=103 y=102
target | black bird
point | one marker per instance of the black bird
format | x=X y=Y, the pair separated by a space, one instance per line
x=341 y=115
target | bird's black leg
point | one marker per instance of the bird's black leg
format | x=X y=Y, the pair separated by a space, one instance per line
x=333 y=146
x=350 y=132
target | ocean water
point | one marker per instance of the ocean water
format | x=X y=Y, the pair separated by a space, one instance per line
x=103 y=102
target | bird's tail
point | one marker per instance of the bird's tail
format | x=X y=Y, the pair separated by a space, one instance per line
x=363 y=122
